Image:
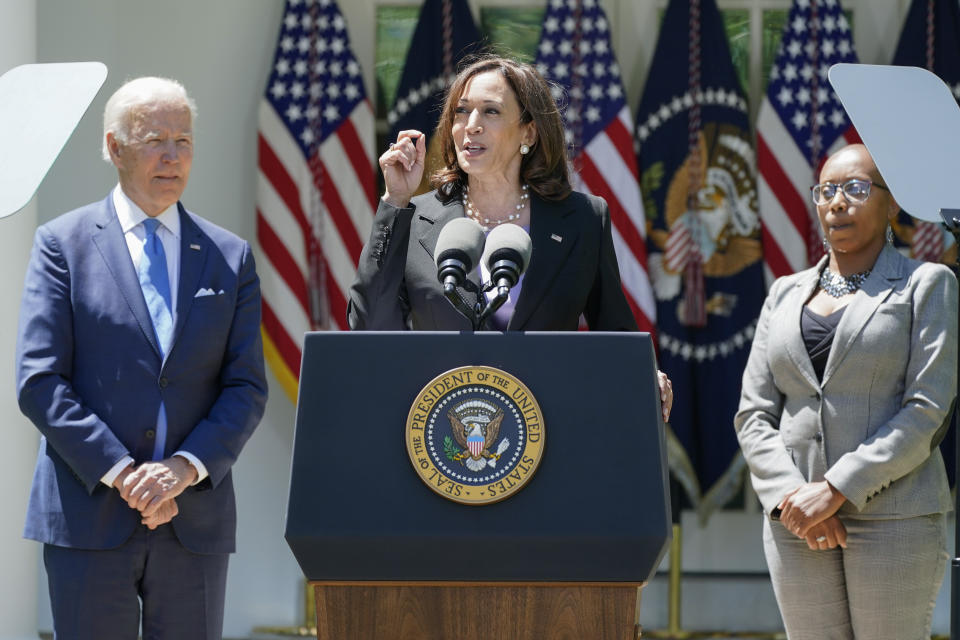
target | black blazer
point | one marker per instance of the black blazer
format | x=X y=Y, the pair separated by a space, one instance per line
x=573 y=270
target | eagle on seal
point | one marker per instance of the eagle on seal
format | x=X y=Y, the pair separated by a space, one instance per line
x=476 y=440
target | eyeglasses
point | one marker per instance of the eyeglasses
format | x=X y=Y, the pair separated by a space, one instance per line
x=855 y=190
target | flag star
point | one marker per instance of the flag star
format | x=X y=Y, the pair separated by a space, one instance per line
x=333 y=90
x=586 y=24
x=546 y=47
x=589 y=4
x=351 y=91
x=789 y=73
x=598 y=69
x=392 y=118
x=643 y=132
x=295 y=3
x=732 y=99
x=721 y=96
x=614 y=91
x=653 y=121
x=576 y=92
x=338 y=23
x=303 y=44
x=785 y=96
x=353 y=68
x=831 y=3
x=312 y=112
x=297 y=90
x=286 y=44
x=596 y=92
x=664 y=112
x=823 y=95
x=337 y=46
x=572 y=114
x=709 y=95
x=551 y=24
x=807 y=72
x=799 y=119
x=601 y=24
x=402 y=106
x=600 y=48
x=820 y=119
x=283 y=66
x=700 y=353
x=774 y=73
x=843 y=46
x=584 y=47
x=307 y=136
x=424 y=90
x=320 y=68
x=568 y=136
x=555 y=91
x=566 y=48
x=687 y=100
x=676 y=104
x=803 y=4
x=291 y=21
x=323 y=23
x=842 y=23
x=300 y=67
x=686 y=351
x=829 y=24
x=824 y=71
x=803 y=95
x=569 y=24
x=315 y=90
x=278 y=90
x=956 y=90
x=321 y=45
x=306 y=21
x=827 y=47
x=560 y=70
x=331 y=113
x=798 y=25
x=336 y=68
x=293 y=113
x=837 y=118
x=543 y=70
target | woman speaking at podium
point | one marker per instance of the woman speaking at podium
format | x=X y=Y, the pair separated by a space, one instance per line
x=503 y=154
x=847 y=393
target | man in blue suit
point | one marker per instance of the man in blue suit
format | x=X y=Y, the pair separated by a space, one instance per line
x=139 y=360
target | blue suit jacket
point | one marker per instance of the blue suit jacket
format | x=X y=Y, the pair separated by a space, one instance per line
x=91 y=378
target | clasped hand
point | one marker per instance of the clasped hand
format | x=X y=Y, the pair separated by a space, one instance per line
x=805 y=511
x=151 y=488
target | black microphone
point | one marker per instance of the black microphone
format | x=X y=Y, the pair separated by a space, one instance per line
x=507 y=255
x=458 y=249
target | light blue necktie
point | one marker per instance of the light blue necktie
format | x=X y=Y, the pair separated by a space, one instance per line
x=155 y=283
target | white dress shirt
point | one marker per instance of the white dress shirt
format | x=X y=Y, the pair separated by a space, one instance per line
x=131 y=222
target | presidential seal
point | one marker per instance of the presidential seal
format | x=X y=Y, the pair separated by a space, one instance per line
x=475 y=435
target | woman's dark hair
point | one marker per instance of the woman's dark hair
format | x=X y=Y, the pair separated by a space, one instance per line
x=544 y=168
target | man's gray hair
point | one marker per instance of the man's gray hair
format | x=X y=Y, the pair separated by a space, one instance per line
x=137 y=93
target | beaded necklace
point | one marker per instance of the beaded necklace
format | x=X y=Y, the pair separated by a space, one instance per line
x=473 y=213
x=838 y=286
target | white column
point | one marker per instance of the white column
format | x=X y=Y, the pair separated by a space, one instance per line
x=18 y=557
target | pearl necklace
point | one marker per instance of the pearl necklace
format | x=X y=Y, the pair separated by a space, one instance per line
x=474 y=214
x=838 y=286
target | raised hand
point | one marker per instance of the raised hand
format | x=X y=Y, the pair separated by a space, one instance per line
x=402 y=165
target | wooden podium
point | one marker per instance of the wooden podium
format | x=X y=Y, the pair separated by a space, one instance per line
x=564 y=557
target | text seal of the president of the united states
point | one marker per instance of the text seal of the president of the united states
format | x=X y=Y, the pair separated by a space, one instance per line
x=475 y=435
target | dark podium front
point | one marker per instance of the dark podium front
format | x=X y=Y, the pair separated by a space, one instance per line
x=563 y=557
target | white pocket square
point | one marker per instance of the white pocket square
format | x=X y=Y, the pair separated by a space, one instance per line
x=205 y=292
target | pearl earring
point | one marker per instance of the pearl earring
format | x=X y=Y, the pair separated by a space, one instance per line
x=524 y=149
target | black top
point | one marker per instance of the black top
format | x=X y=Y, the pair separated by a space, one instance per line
x=818 y=332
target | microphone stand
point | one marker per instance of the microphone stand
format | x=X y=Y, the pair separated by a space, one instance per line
x=951 y=219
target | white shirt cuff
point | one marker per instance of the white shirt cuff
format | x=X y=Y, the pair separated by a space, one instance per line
x=115 y=470
x=195 y=461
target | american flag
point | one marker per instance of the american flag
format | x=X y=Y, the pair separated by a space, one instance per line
x=801 y=122
x=315 y=185
x=576 y=54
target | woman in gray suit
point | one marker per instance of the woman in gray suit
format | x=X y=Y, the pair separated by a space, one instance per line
x=504 y=162
x=848 y=390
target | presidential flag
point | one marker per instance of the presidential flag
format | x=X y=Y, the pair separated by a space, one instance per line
x=315 y=184
x=696 y=163
x=931 y=40
x=575 y=53
x=801 y=122
x=445 y=33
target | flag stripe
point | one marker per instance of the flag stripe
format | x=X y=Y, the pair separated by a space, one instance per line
x=354 y=149
x=598 y=186
x=283 y=184
x=282 y=261
x=281 y=221
x=286 y=347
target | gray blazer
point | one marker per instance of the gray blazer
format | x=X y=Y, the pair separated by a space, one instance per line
x=872 y=426
x=573 y=270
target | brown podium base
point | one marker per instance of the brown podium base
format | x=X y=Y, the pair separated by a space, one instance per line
x=482 y=611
